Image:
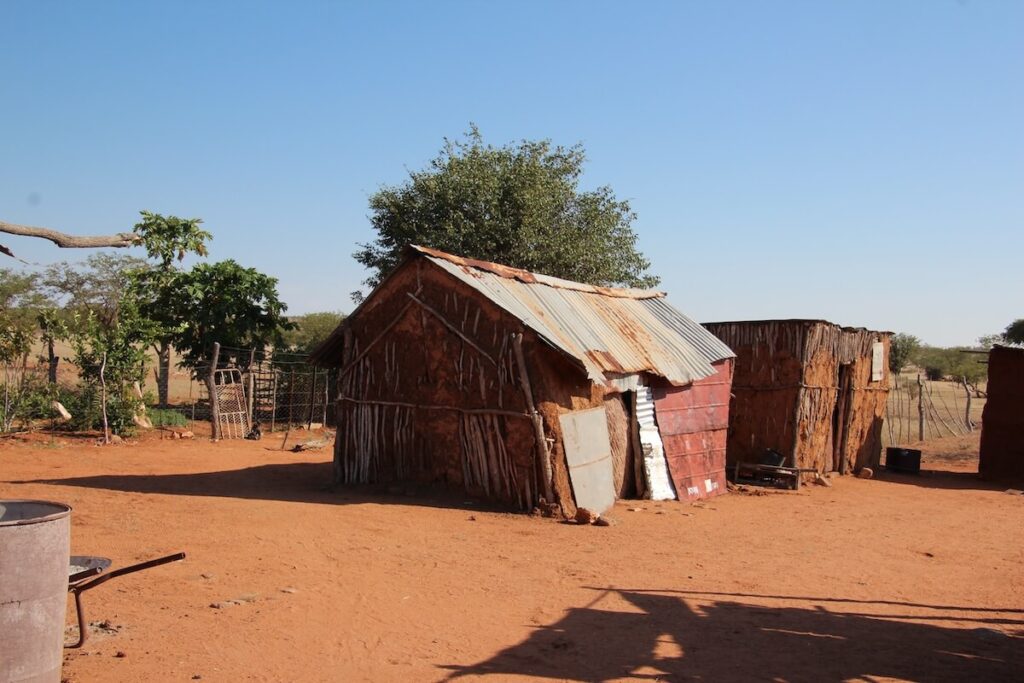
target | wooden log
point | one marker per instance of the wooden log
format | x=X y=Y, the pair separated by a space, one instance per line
x=452 y=328
x=250 y=387
x=967 y=410
x=211 y=385
x=920 y=409
x=538 y=423
x=466 y=411
x=387 y=328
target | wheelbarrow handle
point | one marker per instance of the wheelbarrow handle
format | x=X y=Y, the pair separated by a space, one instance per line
x=127 y=570
x=78 y=588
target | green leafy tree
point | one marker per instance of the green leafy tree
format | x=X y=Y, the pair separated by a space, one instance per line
x=98 y=285
x=167 y=240
x=953 y=364
x=311 y=329
x=16 y=332
x=519 y=204
x=53 y=327
x=902 y=348
x=989 y=340
x=1014 y=333
x=224 y=302
x=111 y=357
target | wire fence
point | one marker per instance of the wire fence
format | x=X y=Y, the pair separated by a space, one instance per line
x=271 y=392
x=919 y=409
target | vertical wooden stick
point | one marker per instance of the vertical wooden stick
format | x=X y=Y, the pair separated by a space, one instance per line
x=103 y=399
x=211 y=384
x=250 y=387
x=967 y=410
x=920 y=409
x=538 y=423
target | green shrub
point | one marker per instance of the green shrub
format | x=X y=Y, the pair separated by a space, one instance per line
x=165 y=417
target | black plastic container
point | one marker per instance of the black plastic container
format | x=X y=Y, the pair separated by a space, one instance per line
x=906 y=460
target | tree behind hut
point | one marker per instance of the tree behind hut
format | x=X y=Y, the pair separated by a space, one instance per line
x=902 y=348
x=96 y=287
x=519 y=205
x=226 y=303
x=311 y=329
x=1014 y=332
x=167 y=240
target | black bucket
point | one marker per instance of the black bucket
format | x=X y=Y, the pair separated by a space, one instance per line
x=906 y=460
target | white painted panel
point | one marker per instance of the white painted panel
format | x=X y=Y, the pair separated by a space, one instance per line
x=877 y=361
x=659 y=481
x=588 y=452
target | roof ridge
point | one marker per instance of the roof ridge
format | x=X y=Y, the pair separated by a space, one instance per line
x=528 y=277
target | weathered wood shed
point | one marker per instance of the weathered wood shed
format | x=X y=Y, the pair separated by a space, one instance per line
x=1002 y=423
x=519 y=387
x=811 y=390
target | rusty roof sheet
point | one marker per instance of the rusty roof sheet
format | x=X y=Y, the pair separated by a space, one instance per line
x=608 y=331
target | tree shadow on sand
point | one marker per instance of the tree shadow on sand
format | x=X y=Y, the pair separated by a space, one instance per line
x=301 y=482
x=676 y=637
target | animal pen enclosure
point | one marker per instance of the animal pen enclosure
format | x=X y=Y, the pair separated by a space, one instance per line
x=274 y=392
x=498 y=381
x=813 y=391
x=251 y=389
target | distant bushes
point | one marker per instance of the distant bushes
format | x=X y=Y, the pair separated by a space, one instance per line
x=952 y=363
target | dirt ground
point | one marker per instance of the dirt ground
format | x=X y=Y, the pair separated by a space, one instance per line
x=894 y=578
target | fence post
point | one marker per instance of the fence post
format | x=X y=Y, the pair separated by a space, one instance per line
x=211 y=385
x=291 y=396
x=312 y=399
x=250 y=386
x=920 y=408
x=103 y=399
x=967 y=411
x=327 y=396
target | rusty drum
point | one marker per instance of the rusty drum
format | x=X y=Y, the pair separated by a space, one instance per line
x=34 y=551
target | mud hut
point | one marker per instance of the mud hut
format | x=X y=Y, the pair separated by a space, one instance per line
x=522 y=388
x=811 y=390
x=1002 y=422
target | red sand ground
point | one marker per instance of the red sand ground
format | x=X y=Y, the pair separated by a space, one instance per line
x=899 y=577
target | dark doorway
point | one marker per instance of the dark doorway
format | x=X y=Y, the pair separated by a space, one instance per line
x=841 y=417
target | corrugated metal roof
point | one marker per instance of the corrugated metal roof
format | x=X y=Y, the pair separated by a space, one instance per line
x=608 y=331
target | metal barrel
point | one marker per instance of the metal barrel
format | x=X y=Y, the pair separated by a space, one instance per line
x=35 y=538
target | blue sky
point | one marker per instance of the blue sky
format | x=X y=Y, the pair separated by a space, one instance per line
x=861 y=162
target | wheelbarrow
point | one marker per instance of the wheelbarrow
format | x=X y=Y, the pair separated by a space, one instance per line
x=83 y=568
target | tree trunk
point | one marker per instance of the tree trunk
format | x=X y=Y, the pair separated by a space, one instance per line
x=54 y=359
x=163 y=355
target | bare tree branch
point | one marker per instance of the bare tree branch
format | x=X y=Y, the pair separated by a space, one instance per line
x=63 y=240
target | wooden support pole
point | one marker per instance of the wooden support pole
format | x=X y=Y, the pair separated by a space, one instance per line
x=453 y=329
x=312 y=398
x=103 y=399
x=250 y=387
x=273 y=399
x=327 y=396
x=920 y=409
x=538 y=423
x=418 y=406
x=211 y=385
x=967 y=410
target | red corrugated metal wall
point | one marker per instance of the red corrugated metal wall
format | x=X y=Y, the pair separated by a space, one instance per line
x=694 y=425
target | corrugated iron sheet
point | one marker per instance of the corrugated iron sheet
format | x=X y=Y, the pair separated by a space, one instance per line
x=614 y=331
x=656 y=471
x=694 y=424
